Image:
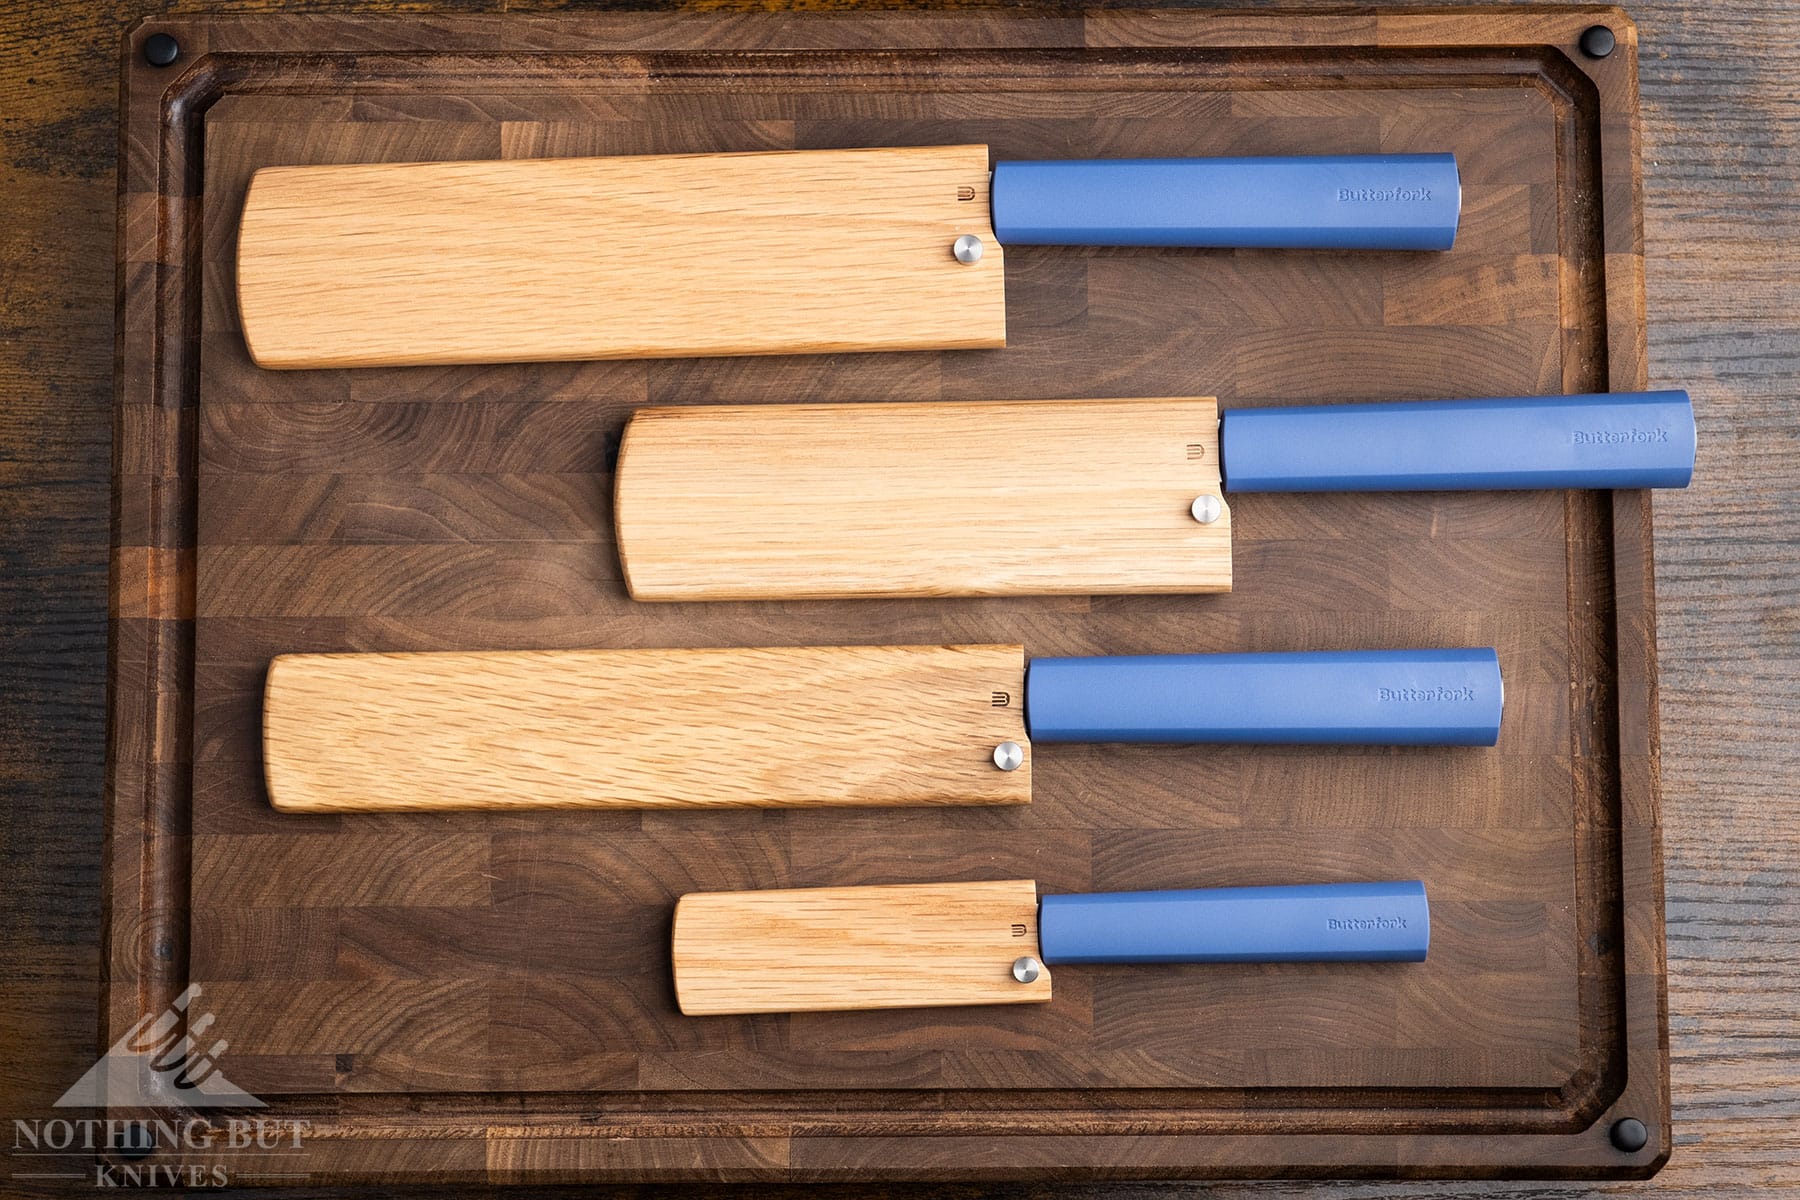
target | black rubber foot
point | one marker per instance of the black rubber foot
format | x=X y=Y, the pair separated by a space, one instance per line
x=1597 y=41
x=1630 y=1135
x=160 y=49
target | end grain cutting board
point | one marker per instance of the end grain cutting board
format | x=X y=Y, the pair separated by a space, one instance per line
x=485 y=997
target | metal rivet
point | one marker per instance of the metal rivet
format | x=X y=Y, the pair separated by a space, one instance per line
x=160 y=49
x=1629 y=1135
x=1026 y=969
x=967 y=248
x=1008 y=756
x=1206 y=509
x=1597 y=41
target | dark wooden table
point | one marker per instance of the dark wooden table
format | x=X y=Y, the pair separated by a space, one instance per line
x=1722 y=214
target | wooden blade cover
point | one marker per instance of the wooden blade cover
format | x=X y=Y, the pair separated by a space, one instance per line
x=967 y=499
x=788 y=252
x=869 y=725
x=820 y=949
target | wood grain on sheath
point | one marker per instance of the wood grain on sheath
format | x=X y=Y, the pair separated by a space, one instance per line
x=618 y=257
x=972 y=499
x=787 y=727
x=831 y=949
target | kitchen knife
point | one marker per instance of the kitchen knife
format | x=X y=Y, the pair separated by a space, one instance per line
x=935 y=945
x=762 y=502
x=790 y=252
x=799 y=726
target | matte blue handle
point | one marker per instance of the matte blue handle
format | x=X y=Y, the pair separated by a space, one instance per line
x=1368 y=697
x=1325 y=922
x=1340 y=202
x=1609 y=440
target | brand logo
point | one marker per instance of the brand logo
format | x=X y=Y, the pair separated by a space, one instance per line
x=159 y=1062
x=1617 y=437
x=1403 y=195
x=1427 y=695
x=1364 y=924
x=148 y=1086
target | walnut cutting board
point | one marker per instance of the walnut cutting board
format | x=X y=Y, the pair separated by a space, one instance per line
x=486 y=996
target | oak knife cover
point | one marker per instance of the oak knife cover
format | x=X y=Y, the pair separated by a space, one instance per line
x=776 y=726
x=530 y=260
x=988 y=498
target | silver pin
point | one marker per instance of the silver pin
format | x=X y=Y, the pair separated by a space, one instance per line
x=1008 y=756
x=1207 y=509
x=1026 y=969
x=967 y=249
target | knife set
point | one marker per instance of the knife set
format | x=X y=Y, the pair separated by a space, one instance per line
x=864 y=250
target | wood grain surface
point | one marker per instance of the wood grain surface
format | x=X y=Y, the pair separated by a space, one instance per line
x=1721 y=206
x=639 y=256
x=995 y=498
x=784 y=726
x=922 y=945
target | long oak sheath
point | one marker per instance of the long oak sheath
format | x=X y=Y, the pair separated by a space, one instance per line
x=980 y=498
x=780 y=726
x=779 y=252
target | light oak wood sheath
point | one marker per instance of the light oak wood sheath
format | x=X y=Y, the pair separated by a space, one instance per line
x=787 y=726
x=821 y=949
x=936 y=499
x=786 y=252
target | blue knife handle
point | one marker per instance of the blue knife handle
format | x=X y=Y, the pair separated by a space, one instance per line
x=1367 y=697
x=1326 y=922
x=1341 y=202
x=1609 y=440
